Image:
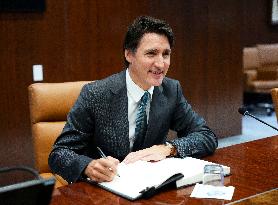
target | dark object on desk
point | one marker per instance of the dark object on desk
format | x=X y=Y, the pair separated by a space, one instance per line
x=168 y=184
x=33 y=192
x=244 y=112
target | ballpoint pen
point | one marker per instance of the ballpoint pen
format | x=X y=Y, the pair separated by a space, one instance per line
x=104 y=156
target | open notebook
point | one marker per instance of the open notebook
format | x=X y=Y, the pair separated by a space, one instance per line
x=142 y=178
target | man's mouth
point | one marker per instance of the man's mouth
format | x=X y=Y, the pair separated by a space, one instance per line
x=156 y=72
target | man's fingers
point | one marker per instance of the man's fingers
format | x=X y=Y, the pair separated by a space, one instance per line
x=135 y=156
x=107 y=166
x=99 y=176
x=154 y=153
x=103 y=169
x=114 y=160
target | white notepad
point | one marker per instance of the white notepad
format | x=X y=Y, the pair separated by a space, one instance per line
x=141 y=175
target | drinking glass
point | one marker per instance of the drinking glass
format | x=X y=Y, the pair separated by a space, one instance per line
x=213 y=175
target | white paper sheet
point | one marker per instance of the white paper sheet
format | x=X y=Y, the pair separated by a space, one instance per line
x=213 y=192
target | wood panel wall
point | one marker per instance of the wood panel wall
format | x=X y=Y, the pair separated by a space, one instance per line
x=256 y=23
x=82 y=40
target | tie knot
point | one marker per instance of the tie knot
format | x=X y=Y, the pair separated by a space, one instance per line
x=145 y=98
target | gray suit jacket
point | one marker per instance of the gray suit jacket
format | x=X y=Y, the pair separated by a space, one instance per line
x=100 y=118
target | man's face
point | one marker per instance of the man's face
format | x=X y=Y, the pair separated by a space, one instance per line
x=150 y=62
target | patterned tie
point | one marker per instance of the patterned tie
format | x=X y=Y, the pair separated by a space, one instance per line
x=141 y=122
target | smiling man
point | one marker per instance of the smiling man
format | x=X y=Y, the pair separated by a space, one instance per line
x=129 y=114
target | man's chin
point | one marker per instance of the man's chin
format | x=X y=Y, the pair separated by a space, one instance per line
x=157 y=82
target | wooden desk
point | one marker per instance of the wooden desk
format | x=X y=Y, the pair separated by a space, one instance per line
x=253 y=165
x=265 y=198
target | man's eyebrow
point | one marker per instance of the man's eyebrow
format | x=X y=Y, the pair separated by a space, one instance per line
x=151 y=50
x=155 y=50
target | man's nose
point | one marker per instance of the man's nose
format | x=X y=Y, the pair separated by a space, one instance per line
x=159 y=62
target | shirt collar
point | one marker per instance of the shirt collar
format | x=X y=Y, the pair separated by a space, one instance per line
x=134 y=90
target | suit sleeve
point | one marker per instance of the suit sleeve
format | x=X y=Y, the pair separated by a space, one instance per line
x=194 y=137
x=69 y=156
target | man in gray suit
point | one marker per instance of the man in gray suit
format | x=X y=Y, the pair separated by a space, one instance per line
x=128 y=115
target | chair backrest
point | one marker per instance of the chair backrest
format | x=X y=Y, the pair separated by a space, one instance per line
x=274 y=95
x=268 y=57
x=49 y=105
x=268 y=54
x=250 y=58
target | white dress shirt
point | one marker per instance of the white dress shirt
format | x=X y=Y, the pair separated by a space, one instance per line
x=134 y=94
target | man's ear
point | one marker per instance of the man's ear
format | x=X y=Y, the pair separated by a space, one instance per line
x=128 y=55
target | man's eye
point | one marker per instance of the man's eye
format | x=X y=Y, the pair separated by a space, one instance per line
x=151 y=53
x=166 y=55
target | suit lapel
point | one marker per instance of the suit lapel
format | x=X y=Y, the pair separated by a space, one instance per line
x=119 y=111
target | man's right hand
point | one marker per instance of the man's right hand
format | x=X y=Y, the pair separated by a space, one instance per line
x=103 y=169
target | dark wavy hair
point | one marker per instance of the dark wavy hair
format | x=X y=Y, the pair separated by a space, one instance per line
x=142 y=25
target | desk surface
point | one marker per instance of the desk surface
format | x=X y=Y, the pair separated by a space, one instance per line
x=253 y=170
x=265 y=198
